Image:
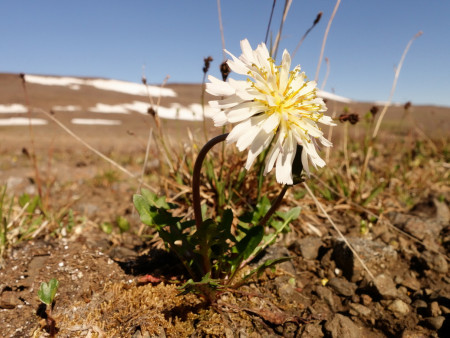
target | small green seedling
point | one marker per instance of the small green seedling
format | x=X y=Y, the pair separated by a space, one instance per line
x=46 y=294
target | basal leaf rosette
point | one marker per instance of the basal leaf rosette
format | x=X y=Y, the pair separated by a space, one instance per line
x=275 y=108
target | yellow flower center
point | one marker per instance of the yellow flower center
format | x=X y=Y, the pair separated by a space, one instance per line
x=284 y=101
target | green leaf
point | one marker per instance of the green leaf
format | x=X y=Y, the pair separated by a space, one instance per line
x=288 y=216
x=106 y=227
x=47 y=292
x=248 y=244
x=123 y=224
x=143 y=207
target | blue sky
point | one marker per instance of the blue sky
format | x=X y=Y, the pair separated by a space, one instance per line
x=115 y=39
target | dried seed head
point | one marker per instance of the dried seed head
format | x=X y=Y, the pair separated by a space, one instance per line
x=374 y=110
x=343 y=118
x=225 y=70
x=144 y=79
x=151 y=111
x=319 y=15
x=207 y=61
x=25 y=152
x=407 y=105
x=353 y=118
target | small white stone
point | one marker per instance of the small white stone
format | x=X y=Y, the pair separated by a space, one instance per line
x=61 y=264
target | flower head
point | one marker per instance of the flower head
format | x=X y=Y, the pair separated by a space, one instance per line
x=275 y=108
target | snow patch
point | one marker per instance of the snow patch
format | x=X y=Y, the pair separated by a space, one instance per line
x=191 y=113
x=108 y=109
x=96 y=122
x=21 y=121
x=331 y=96
x=103 y=84
x=66 y=108
x=12 y=108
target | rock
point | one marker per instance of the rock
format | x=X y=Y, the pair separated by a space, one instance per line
x=9 y=300
x=359 y=310
x=377 y=256
x=410 y=282
x=326 y=295
x=312 y=330
x=120 y=253
x=428 y=220
x=309 y=247
x=436 y=262
x=286 y=288
x=385 y=287
x=435 y=322
x=366 y=299
x=342 y=287
x=399 y=307
x=419 y=304
x=434 y=309
x=413 y=334
x=341 y=326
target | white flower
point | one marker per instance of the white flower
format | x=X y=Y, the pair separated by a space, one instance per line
x=274 y=108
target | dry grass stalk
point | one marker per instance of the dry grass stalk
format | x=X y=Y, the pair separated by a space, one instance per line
x=385 y=108
x=321 y=208
x=324 y=41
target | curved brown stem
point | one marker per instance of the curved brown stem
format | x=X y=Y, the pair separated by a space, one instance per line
x=274 y=206
x=196 y=177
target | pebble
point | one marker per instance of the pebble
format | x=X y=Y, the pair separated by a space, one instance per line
x=342 y=287
x=385 y=286
x=358 y=309
x=342 y=326
x=411 y=283
x=419 y=304
x=377 y=256
x=309 y=247
x=435 y=322
x=434 y=309
x=366 y=299
x=326 y=295
x=399 y=307
x=312 y=330
x=439 y=264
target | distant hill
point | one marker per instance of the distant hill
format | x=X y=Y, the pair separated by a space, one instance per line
x=98 y=101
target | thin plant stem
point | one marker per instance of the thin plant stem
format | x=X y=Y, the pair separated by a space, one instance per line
x=147 y=150
x=345 y=148
x=222 y=35
x=319 y=205
x=287 y=5
x=30 y=127
x=385 y=108
x=324 y=41
x=316 y=21
x=270 y=21
x=326 y=74
x=394 y=84
x=330 y=133
x=205 y=131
